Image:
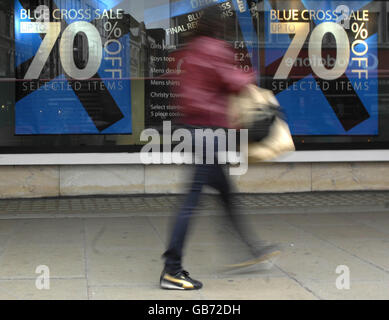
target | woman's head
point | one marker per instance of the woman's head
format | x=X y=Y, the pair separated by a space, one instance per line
x=211 y=23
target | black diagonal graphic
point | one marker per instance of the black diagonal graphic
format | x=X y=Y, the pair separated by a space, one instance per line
x=98 y=103
x=346 y=104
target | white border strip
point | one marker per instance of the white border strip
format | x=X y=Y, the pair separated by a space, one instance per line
x=134 y=158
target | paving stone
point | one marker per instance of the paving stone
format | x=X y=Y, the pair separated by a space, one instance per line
x=21 y=261
x=342 y=232
x=60 y=289
x=376 y=251
x=140 y=293
x=319 y=261
x=319 y=220
x=8 y=226
x=124 y=267
x=119 y=233
x=56 y=243
x=48 y=232
x=255 y=289
x=359 y=290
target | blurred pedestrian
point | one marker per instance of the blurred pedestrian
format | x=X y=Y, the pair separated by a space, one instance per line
x=209 y=77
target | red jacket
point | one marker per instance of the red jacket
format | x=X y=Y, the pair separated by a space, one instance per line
x=209 y=76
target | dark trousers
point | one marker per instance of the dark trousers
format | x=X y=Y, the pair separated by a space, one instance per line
x=214 y=176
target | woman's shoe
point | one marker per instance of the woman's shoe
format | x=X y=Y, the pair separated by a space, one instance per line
x=179 y=281
x=261 y=255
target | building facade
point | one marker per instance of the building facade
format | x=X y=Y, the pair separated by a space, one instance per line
x=81 y=80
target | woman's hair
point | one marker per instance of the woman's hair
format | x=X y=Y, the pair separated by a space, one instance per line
x=211 y=23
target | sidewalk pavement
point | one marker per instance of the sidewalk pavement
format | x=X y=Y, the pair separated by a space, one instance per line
x=110 y=247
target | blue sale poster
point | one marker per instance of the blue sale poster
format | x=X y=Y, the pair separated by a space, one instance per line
x=319 y=57
x=321 y=61
x=72 y=64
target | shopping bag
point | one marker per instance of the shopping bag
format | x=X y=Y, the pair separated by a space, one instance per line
x=258 y=110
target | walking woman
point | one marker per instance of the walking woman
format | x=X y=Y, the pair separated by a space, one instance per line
x=209 y=77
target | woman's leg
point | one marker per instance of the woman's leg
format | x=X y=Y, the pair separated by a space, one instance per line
x=173 y=254
x=221 y=182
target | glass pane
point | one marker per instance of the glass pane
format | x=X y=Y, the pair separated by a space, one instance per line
x=90 y=75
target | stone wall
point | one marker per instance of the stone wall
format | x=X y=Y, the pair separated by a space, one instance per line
x=75 y=180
